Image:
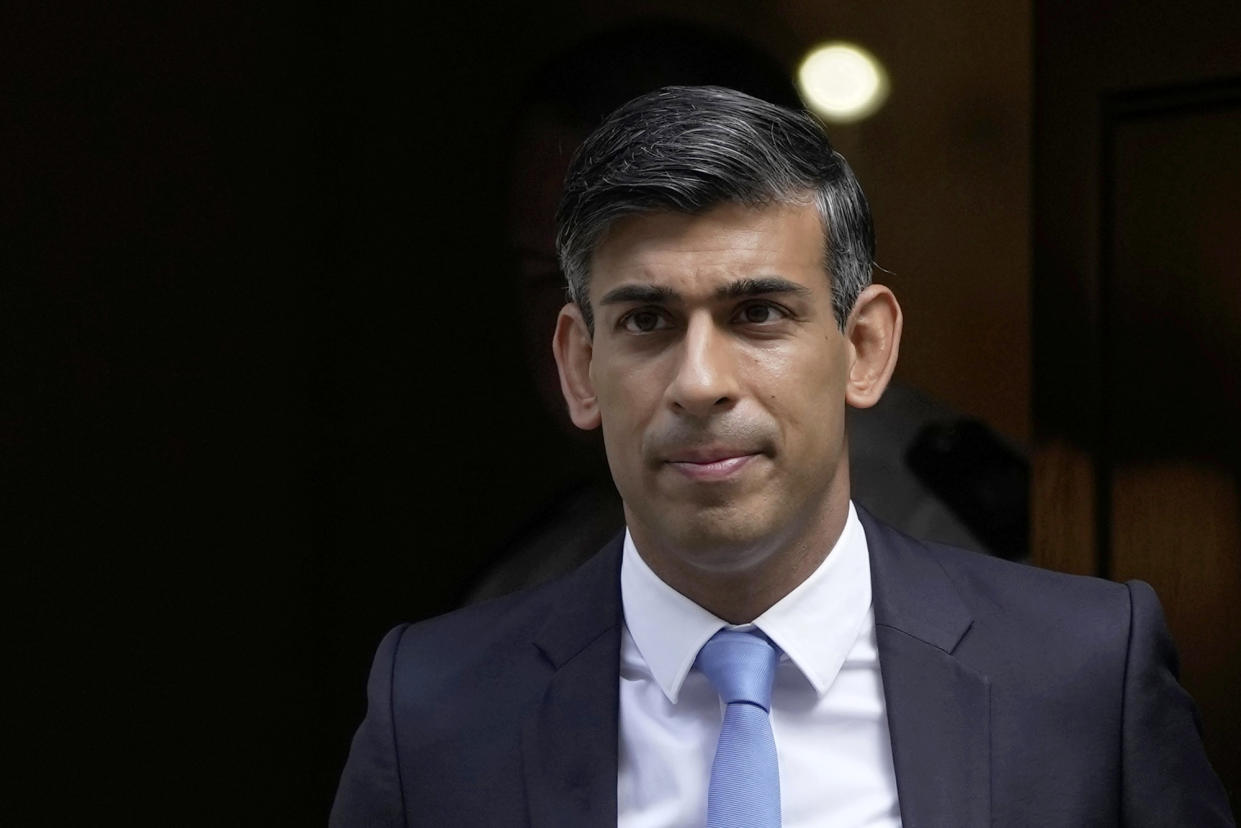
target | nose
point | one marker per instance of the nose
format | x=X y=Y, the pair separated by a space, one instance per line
x=705 y=380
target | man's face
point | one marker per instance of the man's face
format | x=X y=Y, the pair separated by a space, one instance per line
x=720 y=379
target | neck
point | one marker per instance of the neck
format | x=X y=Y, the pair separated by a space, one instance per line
x=774 y=566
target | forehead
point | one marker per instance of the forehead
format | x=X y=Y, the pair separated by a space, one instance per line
x=728 y=241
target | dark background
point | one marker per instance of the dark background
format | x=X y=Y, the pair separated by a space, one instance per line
x=261 y=398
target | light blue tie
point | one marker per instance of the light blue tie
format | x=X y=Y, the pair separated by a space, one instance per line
x=745 y=778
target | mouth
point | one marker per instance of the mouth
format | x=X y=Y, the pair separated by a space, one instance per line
x=711 y=464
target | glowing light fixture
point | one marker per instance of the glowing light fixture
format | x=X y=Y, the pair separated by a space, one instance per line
x=842 y=81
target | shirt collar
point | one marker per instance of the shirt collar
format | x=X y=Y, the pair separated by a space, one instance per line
x=815 y=625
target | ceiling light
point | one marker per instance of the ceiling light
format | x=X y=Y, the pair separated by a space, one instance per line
x=842 y=82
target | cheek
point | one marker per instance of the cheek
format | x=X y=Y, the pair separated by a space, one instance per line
x=804 y=393
x=797 y=375
x=626 y=399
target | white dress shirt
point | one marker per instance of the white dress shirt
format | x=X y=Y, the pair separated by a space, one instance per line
x=827 y=707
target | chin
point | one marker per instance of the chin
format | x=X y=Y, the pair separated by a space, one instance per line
x=720 y=539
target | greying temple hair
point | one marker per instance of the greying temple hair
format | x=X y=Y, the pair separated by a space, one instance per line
x=690 y=148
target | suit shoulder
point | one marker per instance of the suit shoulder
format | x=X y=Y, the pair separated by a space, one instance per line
x=987 y=580
x=513 y=635
x=1025 y=602
x=1002 y=576
x=470 y=632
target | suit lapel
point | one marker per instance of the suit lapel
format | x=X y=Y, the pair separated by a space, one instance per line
x=569 y=743
x=938 y=708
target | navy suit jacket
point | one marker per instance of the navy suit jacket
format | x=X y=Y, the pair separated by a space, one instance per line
x=1015 y=696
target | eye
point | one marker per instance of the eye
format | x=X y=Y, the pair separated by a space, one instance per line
x=644 y=321
x=760 y=313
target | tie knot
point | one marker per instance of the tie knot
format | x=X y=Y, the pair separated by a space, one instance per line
x=741 y=666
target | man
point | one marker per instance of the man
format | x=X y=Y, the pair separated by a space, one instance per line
x=913 y=462
x=718 y=256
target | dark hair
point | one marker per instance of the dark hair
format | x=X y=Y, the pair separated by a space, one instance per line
x=690 y=148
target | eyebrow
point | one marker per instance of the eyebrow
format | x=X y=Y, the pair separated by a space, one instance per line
x=740 y=289
x=652 y=294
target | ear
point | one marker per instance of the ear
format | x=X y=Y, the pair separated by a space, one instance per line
x=573 y=349
x=874 y=334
